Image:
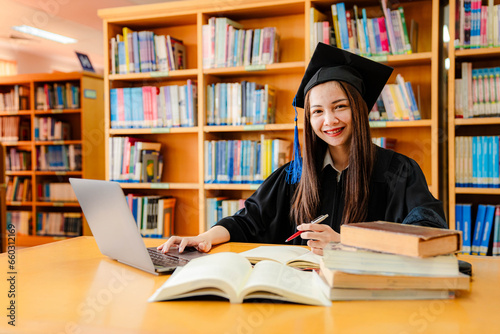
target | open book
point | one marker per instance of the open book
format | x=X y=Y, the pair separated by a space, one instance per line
x=231 y=276
x=293 y=256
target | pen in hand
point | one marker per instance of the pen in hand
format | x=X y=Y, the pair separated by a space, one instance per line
x=317 y=220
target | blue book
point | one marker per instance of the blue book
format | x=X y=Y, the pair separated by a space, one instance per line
x=255 y=47
x=122 y=63
x=127 y=104
x=485 y=236
x=458 y=219
x=137 y=107
x=344 y=35
x=495 y=148
x=135 y=46
x=224 y=106
x=484 y=162
x=376 y=33
x=466 y=236
x=365 y=29
x=478 y=229
x=475 y=161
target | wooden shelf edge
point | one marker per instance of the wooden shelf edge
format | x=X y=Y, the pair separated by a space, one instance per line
x=160 y=186
x=255 y=127
x=178 y=74
x=230 y=186
x=477 y=52
x=147 y=131
x=257 y=69
x=477 y=191
x=477 y=121
x=400 y=124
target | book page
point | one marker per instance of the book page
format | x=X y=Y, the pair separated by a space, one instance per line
x=297 y=286
x=225 y=271
x=307 y=260
x=281 y=254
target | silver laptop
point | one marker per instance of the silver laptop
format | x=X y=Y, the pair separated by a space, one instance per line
x=116 y=232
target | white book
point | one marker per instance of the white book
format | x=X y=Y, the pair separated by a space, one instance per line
x=231 y=276
x=174 y=102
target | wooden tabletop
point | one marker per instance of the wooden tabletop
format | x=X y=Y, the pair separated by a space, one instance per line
x=70 y=287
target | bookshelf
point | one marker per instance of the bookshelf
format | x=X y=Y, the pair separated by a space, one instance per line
x=86 y=131
x=475 y=126
x=183 y=148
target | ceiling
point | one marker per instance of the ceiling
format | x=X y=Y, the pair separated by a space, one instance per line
x=72 y=18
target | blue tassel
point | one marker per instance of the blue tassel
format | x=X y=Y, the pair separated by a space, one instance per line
x=294 y=170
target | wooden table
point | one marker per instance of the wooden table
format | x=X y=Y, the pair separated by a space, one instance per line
x=69 y=287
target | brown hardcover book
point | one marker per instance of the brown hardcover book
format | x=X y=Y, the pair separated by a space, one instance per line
x=352 y=280
x=401 y=239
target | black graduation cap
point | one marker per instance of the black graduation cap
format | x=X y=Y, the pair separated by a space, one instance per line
x=329 y=63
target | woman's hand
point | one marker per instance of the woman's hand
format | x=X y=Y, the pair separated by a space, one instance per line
x=318 y=235
x=201 y=243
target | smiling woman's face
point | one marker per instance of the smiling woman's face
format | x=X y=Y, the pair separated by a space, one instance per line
x=331 y=117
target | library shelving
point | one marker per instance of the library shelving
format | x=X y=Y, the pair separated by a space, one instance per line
x=58 y=134
x=183 y=147
x=473 y=123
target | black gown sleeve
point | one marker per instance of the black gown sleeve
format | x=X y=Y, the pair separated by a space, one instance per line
x=409 y=200
x=265 y=217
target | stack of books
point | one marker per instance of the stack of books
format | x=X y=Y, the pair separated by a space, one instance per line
x=389 y=261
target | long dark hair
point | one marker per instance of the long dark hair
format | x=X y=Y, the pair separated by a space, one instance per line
x=361 y=160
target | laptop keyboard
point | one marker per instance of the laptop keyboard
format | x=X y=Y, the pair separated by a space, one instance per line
x=165 y=260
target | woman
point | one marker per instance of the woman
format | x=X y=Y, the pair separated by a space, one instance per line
x=343 y=175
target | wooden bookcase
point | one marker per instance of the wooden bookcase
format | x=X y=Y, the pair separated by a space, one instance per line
x=183 y=174
x=87 y=130
x=483 y=126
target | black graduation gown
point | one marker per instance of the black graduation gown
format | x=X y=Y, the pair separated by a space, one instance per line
x=398 y=193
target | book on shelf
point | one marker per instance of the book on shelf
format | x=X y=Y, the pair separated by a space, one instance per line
x=153 y=107
x=21 y=220
x=145 y=51
x=154 y=215
x=15 y=99
x=410 y=240
x=220 y=207
x=17 y=160
x=495 y=251
x=48 y=191
x=476 y=92
x=127 y=160
x=245 y=103
x=18 y=189
x=396 y=102
x=477 y=161
x=463 y=223
x=351 y=280
x=50 y=128
x=369 y=36
x=353 y=259
x=59 y=223
x=57 y=96
x=59 y=157
x=227 y=44
x=389 y=143
x=482 y=229
x=293 y=256
x=231 y=276
x=476 y=25
x=244 y=161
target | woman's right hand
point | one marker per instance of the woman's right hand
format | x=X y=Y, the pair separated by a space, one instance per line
x=203 y=242
x=199 y=242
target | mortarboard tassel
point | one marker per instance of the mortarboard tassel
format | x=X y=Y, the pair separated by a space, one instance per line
x=294 y=170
